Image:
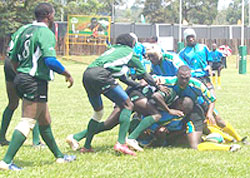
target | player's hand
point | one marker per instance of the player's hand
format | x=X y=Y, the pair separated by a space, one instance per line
x=176 y=112
x=210 y=118
x=164 y=89
x=70 y=80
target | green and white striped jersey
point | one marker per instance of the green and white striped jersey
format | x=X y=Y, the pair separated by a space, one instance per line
x=118 y=60
x=30 y=47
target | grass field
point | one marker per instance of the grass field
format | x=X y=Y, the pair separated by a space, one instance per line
x=71 y=111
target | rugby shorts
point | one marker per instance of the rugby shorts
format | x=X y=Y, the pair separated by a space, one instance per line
x=31 y=88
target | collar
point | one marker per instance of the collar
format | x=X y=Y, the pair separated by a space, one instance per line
x=39 y=24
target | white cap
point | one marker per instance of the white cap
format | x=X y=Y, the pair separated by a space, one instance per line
x=189 y=32
x=134 y=36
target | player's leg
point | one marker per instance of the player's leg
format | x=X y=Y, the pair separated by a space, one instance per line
x=209 y=146
x=8 y=112
x=27 y=123
x=120 y=97
x=220 y=67
x=151 y=114
x=214 y=78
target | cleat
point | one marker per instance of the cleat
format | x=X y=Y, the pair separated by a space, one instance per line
x=73 y=143
x=244 y=141
x=4 y=142
x=11 y=166
x=132 y=143
x=85 y=150
x=122 y=148
x=219 y=88
x=66 y=159
x=234 y=148
x=39 y=146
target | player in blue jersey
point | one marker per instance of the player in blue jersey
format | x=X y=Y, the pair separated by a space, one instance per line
x=196 y=56
x=185 y=85
x=163 y=63
x=217 y=65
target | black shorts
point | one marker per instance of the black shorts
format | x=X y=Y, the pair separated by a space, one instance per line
x=98 y=80
x=31 y=88
x=195 y=120
x=206 y=81
x=9 y=72
x=135 y=94
x=217 y=65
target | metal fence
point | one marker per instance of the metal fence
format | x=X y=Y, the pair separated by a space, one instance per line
x=207 y=34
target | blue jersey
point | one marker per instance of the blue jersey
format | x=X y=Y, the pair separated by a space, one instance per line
x=140 y=51
x=215 y=56
x=169 y=65
x=196 y=58
x=194 y=89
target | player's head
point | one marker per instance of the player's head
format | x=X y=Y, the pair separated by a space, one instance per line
x=183 y=75
x=214 y=46
x=126 y=39
x=44 y=12
x=154 y=54
x=190 y=36
x=185 y=104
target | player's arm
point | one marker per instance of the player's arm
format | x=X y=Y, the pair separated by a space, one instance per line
x=129 y=81
x=159 y=99
x=53 y=64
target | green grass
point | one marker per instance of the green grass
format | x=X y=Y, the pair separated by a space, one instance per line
x=71 y=111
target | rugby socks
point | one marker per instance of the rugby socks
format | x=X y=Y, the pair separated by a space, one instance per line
x=36 y=133
x=124 y=121
x=90 y=133
x=214 y=80
x=219 y=81
x=80 y=135
x=16 y=142
x=209 y=146
x=145 y=123
x=48 y=138
x=226 y=137
x=230 y=130
x=7 y=115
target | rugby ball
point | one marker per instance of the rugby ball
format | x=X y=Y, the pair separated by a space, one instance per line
x=215 y=138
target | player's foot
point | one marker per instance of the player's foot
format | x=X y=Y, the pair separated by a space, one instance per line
x=11 y=166
x=244 y=141
x=235 y=148
x=122 y=148
x=4 y=142
x=39 y=146
x=219 y=87
x=66 y=159
x=85 y=150
x=73 y=143
x=133 y=144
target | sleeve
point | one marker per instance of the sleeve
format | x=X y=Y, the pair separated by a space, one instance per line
x=137 y=65
x=47 y=43
x=207 y=94
x=54 y=64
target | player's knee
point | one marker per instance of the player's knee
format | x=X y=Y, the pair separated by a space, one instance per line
x=156 y=117
x=97 y=116
x=25 y=125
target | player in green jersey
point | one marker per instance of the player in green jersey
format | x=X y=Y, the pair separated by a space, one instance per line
x=34 y=59
x=99 y=78
x=12 y=95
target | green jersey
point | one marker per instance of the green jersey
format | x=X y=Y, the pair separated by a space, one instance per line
x=118 y=59
x=33 y=44
x=14 y=38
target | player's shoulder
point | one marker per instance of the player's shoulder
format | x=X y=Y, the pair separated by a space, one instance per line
x=195 y=82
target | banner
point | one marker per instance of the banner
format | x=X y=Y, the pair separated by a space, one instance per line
x=89 y=25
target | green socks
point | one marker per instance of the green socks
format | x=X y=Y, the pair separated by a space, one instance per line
x=36 y=133
x=7 y=115
x=124 y=120
x=16 y=142
x=145 y=123
x=48 y=138
x=92 y=128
